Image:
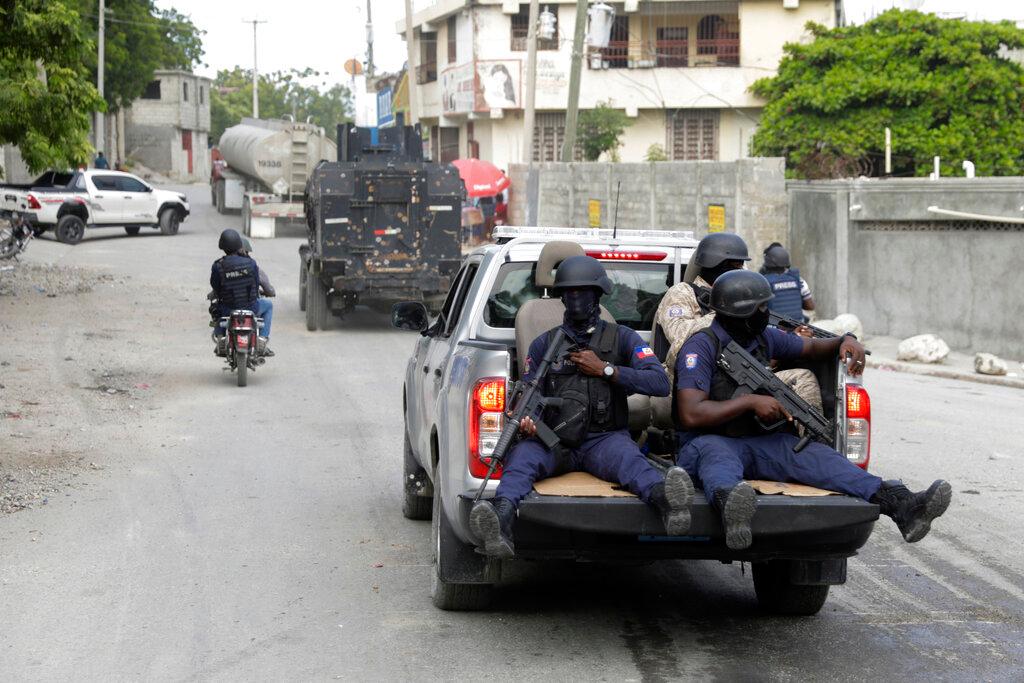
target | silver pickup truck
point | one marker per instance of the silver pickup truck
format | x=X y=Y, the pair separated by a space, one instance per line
x=453 y=399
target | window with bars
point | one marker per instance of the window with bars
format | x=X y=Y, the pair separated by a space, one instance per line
x=616 y=55
x=448 y=145
x=453 y=43
x=548 y=136
x=719 y=37
x=693 y=134
x=521 y=30
x=671 y=48
x=426 y=72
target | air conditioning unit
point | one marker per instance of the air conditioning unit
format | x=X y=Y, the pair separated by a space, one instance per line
x=790 y=4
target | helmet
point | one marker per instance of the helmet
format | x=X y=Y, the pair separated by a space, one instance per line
x=246 y=245
x=582 y=271
x=739 y=293
x=776 y=256
x=718 y=247
x=230 y=241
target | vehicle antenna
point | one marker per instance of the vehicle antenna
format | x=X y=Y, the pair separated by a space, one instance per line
x=615 y=220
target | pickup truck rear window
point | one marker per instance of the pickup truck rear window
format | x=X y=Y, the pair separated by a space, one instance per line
x=637 y=289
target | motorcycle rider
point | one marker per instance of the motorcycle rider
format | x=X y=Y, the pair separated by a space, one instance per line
x=235 y=277
x=264 y=306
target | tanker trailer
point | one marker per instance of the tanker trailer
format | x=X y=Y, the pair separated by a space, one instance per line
x=264 y=172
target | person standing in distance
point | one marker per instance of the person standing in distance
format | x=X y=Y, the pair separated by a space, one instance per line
x=792 y=296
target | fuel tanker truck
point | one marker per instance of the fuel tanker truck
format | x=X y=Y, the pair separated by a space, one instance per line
x=263 y=170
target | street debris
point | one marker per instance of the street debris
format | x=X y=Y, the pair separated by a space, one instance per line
x=989 y=364
x=926 y=348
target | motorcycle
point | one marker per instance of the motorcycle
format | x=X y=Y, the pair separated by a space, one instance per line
x=15 y=234
x=240 y=344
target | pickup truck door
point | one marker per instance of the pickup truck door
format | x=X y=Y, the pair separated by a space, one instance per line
x=139 y=200
x=106 y=199
x=432 y=364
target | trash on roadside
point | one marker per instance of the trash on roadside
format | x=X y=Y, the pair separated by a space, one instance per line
x=926 y=348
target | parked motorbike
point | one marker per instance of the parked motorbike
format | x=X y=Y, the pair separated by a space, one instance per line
x=239 y=345
x=15 y=234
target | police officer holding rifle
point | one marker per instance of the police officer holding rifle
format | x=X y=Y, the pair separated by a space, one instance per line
x=722 y=429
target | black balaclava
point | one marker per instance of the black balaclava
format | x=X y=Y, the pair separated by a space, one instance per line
x=745 y=330
x=582 y=307
x=711 y=274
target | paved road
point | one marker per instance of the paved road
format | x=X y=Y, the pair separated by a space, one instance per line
x=256 y=533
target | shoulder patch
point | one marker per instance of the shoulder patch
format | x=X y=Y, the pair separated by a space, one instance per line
x=526 y=365
x=642 y=352
x=676 y=312
x=691 y=361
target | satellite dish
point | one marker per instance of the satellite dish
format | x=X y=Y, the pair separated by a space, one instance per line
x=353 y=67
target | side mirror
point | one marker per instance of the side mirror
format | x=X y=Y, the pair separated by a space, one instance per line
x=410 y=315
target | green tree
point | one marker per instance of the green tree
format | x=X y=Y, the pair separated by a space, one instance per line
x=45 y=96
x=944 y=87
x=600 y=129
x=295 y=92
x=656 y=152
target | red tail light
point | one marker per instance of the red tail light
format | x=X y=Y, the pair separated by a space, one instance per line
x=858 y=425
x=486 y=420
x=628 y=255
x=33 y=203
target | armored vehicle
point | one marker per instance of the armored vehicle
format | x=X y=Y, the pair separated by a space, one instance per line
x=384 y=225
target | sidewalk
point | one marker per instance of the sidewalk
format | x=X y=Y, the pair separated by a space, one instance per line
x=957 y=365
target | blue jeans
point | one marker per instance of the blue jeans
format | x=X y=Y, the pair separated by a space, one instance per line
x=265 y=310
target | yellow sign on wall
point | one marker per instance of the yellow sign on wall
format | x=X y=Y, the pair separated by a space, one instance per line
x=594 y=212
x=716 y=217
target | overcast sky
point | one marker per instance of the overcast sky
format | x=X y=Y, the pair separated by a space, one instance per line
x=322 y=34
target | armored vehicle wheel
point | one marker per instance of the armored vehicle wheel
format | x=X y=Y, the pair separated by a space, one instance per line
x=70 y=229
x=170 y=221
x=778 y=595
x=453 y=556
x=317 y=312
x=132 y=230
x=414 y=479
x=242 y=367
x=302 y=285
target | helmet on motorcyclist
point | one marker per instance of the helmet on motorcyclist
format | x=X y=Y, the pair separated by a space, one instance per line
x=230 y=241
x=246 y=246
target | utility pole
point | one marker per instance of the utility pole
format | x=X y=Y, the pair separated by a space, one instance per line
x=410 y=74
x=100 y=67
x=531 y=83
x=572 y=111
x=369 y=43
x=255 y=70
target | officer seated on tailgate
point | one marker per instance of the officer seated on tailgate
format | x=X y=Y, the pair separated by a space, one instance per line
x=721 y=442
x=610 y=363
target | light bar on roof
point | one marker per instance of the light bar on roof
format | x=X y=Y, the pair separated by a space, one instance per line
x=512 y=231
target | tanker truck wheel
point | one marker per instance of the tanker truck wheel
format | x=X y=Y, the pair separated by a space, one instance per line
x=246 y=217
x=219 y=197
x=302 y=285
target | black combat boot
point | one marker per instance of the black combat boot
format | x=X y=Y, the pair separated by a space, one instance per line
x=672 y=497
x=491 y=522
x=737 y=506
x=913 y=512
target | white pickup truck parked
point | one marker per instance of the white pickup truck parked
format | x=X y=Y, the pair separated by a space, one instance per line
x=68 y=202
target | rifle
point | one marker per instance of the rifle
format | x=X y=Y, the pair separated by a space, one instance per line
x=526 y=400
x=753 y=377
x=789 y=325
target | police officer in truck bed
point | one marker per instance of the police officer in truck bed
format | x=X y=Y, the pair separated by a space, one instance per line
x=592 y=423
x=722 y=443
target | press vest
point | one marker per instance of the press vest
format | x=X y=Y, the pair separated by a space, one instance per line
x=239 y=284
x=590 y=404
x=724 y=388
x=786 y=288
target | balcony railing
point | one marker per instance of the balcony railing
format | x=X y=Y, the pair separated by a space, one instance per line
x=718 y=51
x=672 y=52
x=426 y=73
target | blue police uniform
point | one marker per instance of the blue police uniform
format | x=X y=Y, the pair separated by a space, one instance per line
x=610 y=455
x=236 y=280
x=786 y=290
x=720 y=462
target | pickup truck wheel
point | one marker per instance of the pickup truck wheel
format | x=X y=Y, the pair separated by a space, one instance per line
x=70 y=229
x=777 y=595
x=302 y=285
x=132 y=230
x=169 y=222
x=448 y=549
x=414 y=479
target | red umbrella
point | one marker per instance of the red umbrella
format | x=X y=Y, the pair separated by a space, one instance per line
x=482 y=178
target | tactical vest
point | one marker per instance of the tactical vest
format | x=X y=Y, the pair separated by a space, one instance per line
x=239 y=284
x=590 y=404
x=723 y=389
x=786 y=300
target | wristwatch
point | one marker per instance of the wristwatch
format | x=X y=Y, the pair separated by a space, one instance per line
x=609 y=370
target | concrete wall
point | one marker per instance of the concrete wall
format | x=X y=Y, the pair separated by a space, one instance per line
x=874 y=249
x=669 y=195
x=14 y=168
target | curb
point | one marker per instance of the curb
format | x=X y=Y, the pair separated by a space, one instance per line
x=944 y=373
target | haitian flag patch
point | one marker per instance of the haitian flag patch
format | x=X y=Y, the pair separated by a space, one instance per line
x=691 y=361
x=643 y=352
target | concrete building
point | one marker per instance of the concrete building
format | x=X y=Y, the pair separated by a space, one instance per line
x=168 y=128
x=680 y=69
